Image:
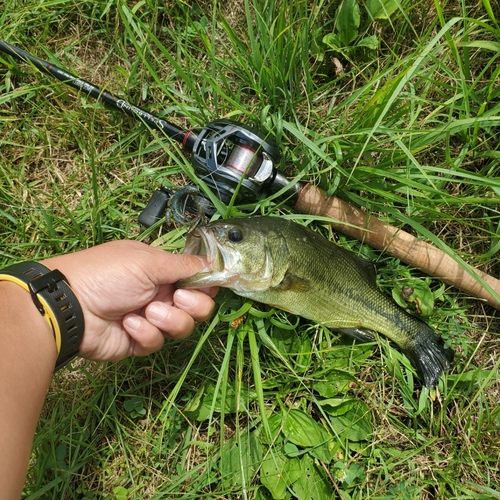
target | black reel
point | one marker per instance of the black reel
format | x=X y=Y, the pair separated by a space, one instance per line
x=229 y=157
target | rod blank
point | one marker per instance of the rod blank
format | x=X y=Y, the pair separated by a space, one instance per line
x=152 y=121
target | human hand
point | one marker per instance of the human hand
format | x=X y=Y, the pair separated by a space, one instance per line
x=129 y=299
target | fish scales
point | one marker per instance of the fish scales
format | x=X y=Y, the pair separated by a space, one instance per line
x=337 y=279
x=286 y=265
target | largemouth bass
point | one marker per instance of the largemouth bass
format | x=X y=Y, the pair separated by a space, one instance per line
x=284 y=264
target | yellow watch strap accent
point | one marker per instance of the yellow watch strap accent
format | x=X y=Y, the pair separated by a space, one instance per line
x=48 y=313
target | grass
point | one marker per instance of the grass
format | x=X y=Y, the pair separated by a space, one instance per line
x=274 y=406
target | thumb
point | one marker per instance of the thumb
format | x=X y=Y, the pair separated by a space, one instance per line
x=166 y=268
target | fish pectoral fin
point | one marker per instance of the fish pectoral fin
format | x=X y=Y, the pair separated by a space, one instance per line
x=369 y=268
x=357 y=334
x=293 y=283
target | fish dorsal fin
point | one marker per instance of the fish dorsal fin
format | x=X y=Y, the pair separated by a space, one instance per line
x=293 y=283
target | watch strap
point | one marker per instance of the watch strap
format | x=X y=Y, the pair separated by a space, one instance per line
x=55 y=300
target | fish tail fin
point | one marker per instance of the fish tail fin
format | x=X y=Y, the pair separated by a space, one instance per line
x=429 y=356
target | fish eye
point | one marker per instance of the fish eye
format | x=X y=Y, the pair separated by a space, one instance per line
x=235 y=235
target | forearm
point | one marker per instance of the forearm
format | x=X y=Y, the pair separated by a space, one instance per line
x=27 y=359
x=129 y=301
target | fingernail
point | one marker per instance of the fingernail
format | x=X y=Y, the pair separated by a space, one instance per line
x=133 y=322
x=184 y=298
x=157 y=312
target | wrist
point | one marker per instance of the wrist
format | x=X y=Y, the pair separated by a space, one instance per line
x=25 y=331
x=55 y=301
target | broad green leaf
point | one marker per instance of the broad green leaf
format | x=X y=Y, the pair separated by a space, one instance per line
x=240 y=459
x=417 y=293
x=348 y=20
x=354 y=472
x=354 y=425
x=194 y=404
x=317 y=46
x=333 y=383
x=312 y=483
x=347 y=474
x=275 y=427
x=286 y=341
x=278 y=473
x=291 y=450
x=347 y=355
x=333 y=41
x=381 y=9
x=204 y=401
x=120 y=493
x=135 y=406
x=338 y=406
x=370 y=42
x=302 y=430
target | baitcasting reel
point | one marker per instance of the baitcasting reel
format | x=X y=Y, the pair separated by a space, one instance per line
x=230 y=158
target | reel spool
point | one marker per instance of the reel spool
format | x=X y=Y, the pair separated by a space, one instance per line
x=231 y=157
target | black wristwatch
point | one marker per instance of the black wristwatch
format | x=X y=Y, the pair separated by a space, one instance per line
x=56 y=301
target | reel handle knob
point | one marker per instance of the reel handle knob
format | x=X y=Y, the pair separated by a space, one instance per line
x=156 y=207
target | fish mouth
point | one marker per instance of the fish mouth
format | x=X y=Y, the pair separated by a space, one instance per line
x=218 y=272
x=224 y=263
x=201 y=241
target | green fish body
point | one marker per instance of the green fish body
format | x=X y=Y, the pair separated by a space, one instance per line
x=284 y=264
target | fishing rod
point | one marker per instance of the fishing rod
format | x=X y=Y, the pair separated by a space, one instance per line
x=231 y=157
x=227 y=155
